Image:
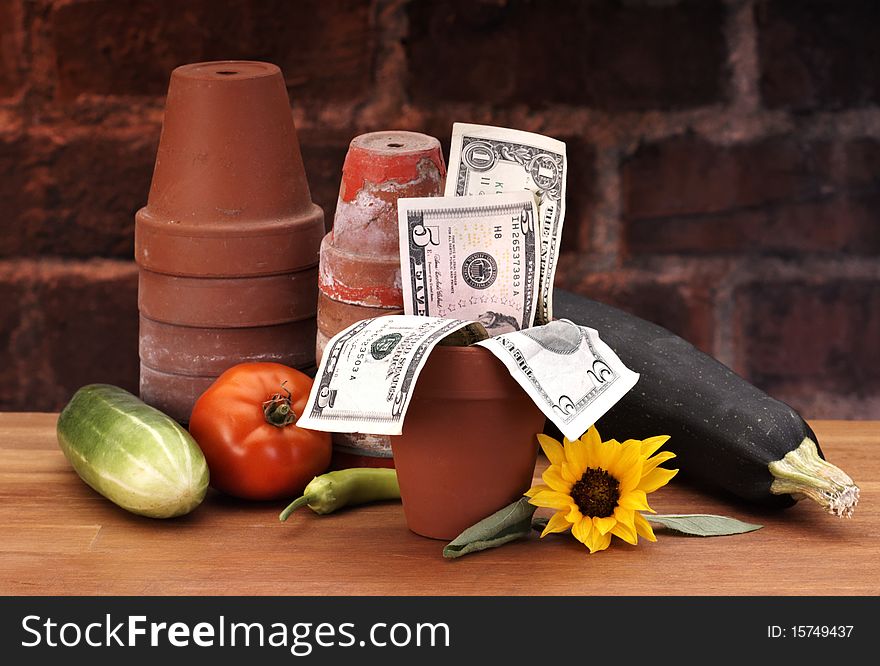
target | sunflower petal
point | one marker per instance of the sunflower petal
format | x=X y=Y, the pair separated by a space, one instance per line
x=596 y=542
x=568 y=473
x=550 y=499
x=643 y=527
x=624 y=515
x=591 y=437
x=629 y=480
x=574 y=514
x=577 y=455
x=553 y=478
x=604 y=525
x=649 y=446
x=616 y=449
x=656 y=479
x=606 y=454
x=651 y=463
x=630 y=459
x=552 y=449
x=534 y=490
x=557 y=523
x=635 y=500
x=625 y=532
x=582 y=529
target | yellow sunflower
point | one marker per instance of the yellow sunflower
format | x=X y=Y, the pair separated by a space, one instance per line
x=598 y=488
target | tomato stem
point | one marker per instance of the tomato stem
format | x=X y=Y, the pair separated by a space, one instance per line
x=278 y=410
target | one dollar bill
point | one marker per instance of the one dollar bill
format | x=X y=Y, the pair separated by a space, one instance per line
x=472 y=258
x=489 y=160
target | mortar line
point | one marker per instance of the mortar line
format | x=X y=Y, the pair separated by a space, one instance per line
x=741 y=35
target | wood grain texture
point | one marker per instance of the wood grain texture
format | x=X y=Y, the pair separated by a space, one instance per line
x=59 y=537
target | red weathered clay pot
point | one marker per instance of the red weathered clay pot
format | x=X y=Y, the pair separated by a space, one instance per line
x=359 y=274
x=227 y=244
x=359 y=271
x=469 y=443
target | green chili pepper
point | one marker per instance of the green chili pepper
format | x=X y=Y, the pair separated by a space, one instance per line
x=357 y=485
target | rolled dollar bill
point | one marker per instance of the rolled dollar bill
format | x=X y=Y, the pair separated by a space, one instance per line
x=489 y=160
x=472 y=258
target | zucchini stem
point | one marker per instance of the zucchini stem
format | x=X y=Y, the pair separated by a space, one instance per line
x=803 y=473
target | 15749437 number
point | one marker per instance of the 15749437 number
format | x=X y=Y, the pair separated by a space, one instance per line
x=821 y=631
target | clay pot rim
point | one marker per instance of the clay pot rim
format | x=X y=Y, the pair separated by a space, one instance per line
x=499 y=384
x=327 y=245
x=457 y=349
x=372 y=142
x=226 y=70
x=300 y=222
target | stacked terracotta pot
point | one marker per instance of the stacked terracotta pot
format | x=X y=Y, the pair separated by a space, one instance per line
x=227 y=244
x=359 y=276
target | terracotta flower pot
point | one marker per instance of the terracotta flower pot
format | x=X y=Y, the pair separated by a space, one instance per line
x=469 y=443
x=227 y=245
x=359 y=274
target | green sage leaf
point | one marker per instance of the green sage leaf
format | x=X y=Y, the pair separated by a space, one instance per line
x=694 y=524
x=505 y=525
x=702 y=524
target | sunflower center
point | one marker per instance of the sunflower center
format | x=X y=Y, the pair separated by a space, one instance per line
x=596 y=493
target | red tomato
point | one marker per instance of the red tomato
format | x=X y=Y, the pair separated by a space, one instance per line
x=245 y=424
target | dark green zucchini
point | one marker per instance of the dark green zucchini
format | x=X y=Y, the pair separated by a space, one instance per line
x=725 y=432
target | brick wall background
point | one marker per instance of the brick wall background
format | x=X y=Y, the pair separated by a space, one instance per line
x=724 y=160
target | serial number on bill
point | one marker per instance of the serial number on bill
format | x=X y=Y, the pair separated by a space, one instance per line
x=810 y=631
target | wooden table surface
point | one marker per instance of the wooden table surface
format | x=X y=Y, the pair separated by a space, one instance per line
x=59 y=537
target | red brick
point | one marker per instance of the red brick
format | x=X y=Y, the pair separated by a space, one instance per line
x=779 y=196
x=23 y=185
x=323 y=154
x=99 y=183
x=75 y=199
x=796 y=337
x=609 y=55
x=13 y=364
x=324 y=47
x=819 y=54
x=73 y=325
x=685 y=308
x=99 y=314
x=11 y=39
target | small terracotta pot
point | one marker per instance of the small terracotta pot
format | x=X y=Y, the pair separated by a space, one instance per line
x=360 y=260
x=468 y=446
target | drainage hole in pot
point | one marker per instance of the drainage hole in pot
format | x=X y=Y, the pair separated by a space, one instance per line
x=395 y=145
x=226 y=72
